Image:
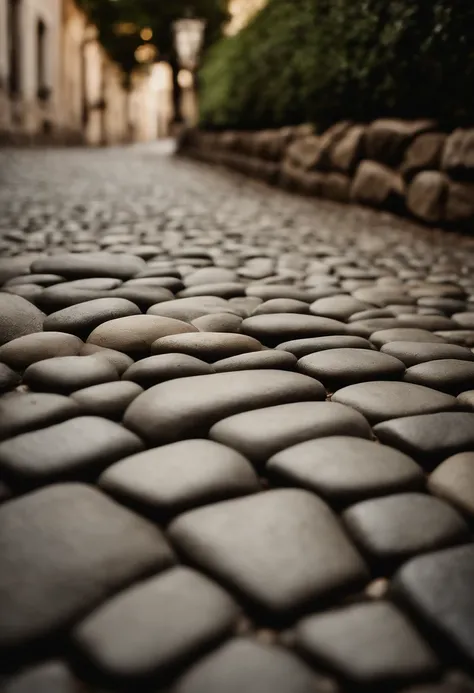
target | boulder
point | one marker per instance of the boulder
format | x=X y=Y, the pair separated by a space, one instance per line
x=386 y=140
x=293 y=178
x=270 y=144
x=336 y=186
x=328 y=141
x=304 y=153
x=426 y=197
x=378 y=186
x=423 y=154
x=460 y=204
x=348 y=152
x=458 y=154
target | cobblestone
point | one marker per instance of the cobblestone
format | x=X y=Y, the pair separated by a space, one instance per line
x=152 y=306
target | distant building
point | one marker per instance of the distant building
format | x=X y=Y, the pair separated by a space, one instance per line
x=57 y=83
x=241 y=12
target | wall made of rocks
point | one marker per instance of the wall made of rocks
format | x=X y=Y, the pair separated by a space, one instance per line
x=407 y=167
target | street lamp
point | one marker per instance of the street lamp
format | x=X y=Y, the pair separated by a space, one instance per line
x=189 y=36
x=188 y=39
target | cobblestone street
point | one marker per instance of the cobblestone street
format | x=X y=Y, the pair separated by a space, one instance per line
x=236 y=435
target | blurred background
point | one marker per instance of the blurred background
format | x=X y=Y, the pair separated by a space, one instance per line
x=114 y=71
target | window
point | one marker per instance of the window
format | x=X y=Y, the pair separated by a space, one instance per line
x=14 y=38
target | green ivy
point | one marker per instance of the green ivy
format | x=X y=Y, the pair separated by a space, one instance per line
x=326 y=60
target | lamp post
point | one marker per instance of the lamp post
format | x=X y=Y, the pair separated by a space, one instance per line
x=188 y=38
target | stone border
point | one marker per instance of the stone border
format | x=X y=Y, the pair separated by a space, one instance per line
x=406 y=167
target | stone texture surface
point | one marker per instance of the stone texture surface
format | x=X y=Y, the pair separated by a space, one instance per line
x=285 y=568
x=102 y=245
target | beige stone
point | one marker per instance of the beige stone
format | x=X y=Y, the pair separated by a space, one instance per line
x=386 y=139
x=458 y=155
x=424 y=154
x=426 y=197
x=347 y=153
x=460 y=204
x=305 y=152
x=336 y=186
x=377 y=186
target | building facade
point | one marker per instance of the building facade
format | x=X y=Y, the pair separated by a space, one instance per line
x=57 y=83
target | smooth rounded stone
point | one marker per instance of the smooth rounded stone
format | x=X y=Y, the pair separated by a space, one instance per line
x=155 y=628
x=461 y=337
x=382 y=400
x=268 y=358
x=66 y=549
x=245 y=305
x=19 y=317
x=38 y=279
x=81 y=266
x=134 y=335
x=371 y=314
x=303 y=347
x=79 y=448
x=221 y=289
x=247 y=665
x=23 y=351
x=188 y=309
x=365 y=328
x=371 y=644
x=30 y=292
x=432 y=323
x=431 y=289
x=337 y=307
x=277 y=328
x=55 y=298
x=430 y=438
x=218 y=322
x=49 y=677
x=207 y=346
x=281 y=305
x=195 y=404
x=381 y=297
x=109 y=400
x=145 y=251
x=438 y=588
x=466 y=399
x=413 y=353
x=15 y=266
x=404 y=334
x=143 y=296
x=281 y=566
x=446 y=305
x=210 y=275
x=8 y=378
x=344 y=469
x=464 y=320
x=447 y=375
x=336 y=368
x=21 y=412
x=120 y=361
x=165 y=481
x=390 y=530
x=260 y=434
x=93 y=284
x=153 y=270
x=453 y=480
x=83 y=318
x=173 y=284
x=268 y=292
x=162 y=367
x=65 y=374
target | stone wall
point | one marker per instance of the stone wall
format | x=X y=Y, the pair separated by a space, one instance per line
x=406 y=167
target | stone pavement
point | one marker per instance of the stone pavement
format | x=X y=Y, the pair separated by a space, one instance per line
x=236 y=436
